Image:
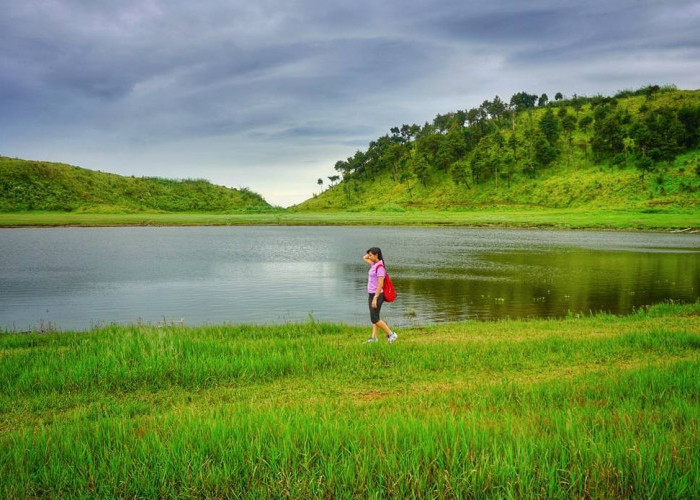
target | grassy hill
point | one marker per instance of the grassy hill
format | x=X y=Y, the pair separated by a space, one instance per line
x=43 y=186
x=637 y=150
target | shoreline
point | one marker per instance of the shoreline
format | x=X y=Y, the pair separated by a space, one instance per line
x=664 y=308
x=555 y=219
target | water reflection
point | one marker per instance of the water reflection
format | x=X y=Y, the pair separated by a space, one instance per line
x=551 y=283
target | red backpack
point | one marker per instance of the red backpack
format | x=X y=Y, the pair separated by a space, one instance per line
x=389 y=290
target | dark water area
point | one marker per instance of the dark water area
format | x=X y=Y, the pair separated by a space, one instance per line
x=75 y=278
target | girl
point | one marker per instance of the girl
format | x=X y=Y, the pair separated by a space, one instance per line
x=375 y=284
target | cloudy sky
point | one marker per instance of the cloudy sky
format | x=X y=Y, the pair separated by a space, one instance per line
x=269 y=94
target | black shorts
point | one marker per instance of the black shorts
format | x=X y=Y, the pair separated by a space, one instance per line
x=374 y=313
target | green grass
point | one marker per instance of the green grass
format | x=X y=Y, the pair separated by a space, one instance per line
x=602 y=407
x=657 y=219
x=32 y=185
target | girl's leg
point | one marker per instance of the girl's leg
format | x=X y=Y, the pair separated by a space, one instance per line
x=374 y=315
x=381 y=325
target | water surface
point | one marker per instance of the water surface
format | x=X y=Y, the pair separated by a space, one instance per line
x=80 y=277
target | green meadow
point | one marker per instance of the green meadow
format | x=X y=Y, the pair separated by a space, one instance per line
x=583 y=407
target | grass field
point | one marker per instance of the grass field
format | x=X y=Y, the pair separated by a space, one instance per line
x=600 y=407
x=493 y=217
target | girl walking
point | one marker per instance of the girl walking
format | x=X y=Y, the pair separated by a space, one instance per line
x=375 y=284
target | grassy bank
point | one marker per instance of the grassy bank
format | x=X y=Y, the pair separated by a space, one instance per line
x=599 y=407
x=487 y=217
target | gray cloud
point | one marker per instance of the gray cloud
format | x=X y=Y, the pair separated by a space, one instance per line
x=273 y=92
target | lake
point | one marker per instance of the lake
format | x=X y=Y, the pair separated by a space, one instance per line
x=76 y=278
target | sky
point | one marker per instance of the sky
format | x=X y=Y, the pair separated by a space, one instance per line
x=269 y=94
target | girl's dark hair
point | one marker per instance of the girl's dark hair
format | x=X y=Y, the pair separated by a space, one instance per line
x=376 y=251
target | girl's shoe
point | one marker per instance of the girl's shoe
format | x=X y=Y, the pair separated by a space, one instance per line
x=391 y=338
x=369 y=340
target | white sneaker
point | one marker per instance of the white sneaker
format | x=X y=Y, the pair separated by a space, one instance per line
x=392 y=337
x=369 y=340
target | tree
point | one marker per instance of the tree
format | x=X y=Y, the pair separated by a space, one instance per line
x=522 y=101
x=496 y=156
x=690 y=118
x=585 y=122
x=419 y=166
x=660 y=135
x=357 y=163
x=451 y=149
x=645 y=165
x=347 y=187
x=408 y=132
x=407 y=177
x=497 y=108
x=320 y=182
x=545 y=153
x=650 y=90
x=396 y=134
x=460 y=118
x=508 y=163
x=601 y=111
x=558 y=96
x=483 y=112
x=477 y=165
x=428 y=145
x=333 y=179
x=568 y=124
x=543 y=100
x=528 y=156
x=443 y=123
x=460 y=173
x=477 y=118
x=473 y=117
x=667 y=130
x=628 y=145
x=342 y=167
x=513 y=145
x=394 y=157
x=486 y=158
x=424 y=131
x=549 y=125
x=607 y=136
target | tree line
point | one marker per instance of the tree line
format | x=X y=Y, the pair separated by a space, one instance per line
x=499 y=140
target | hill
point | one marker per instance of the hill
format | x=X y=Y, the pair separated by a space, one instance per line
x=32 y=185
x=636 y=150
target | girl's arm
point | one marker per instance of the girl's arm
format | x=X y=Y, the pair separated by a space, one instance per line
x=380 y=287
x=366 y=259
